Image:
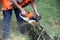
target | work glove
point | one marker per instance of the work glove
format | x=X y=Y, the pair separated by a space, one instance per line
x=36 y=18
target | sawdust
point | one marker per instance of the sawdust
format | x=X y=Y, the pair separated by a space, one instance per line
x=1 y=15
x=0 y=35
x=58 y=22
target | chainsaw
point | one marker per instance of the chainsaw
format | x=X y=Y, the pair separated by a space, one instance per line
x=30 y=18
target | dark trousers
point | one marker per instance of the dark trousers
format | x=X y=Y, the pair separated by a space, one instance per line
x=7 y=15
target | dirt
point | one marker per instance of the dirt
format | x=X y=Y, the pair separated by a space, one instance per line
x=57 y=23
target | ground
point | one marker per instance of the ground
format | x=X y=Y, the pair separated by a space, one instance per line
x=50 y=13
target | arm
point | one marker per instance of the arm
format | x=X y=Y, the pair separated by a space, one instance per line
x=33 y=4
x=19 y=7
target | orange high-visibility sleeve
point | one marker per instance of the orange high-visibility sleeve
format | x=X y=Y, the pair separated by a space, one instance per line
x=25 y=3
x=6 y=4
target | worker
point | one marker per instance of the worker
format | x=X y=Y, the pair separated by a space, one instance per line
x=7 y=8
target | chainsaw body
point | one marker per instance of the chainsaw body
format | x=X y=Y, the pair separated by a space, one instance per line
x=30 y=18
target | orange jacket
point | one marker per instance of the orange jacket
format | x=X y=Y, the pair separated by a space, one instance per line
x=26 y=2
x=6 y=4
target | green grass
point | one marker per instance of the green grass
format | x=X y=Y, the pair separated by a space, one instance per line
x=50 y=13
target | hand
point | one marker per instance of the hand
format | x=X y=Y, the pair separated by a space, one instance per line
x=23 y=12
x=37 y=18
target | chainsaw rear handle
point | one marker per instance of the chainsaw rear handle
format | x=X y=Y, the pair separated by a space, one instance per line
x=31 y=16
x=38 y=18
